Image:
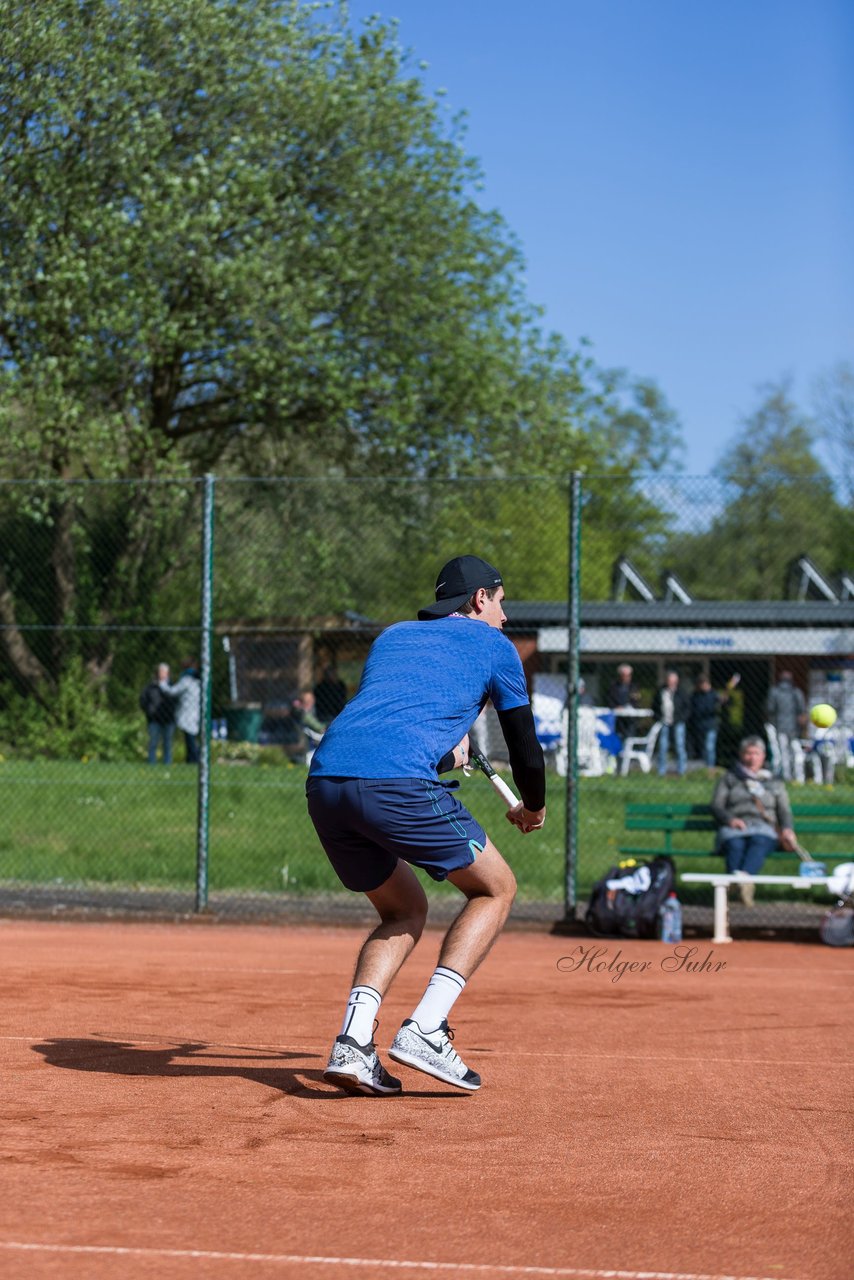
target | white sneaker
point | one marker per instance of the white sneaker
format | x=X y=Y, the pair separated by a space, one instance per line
x=357 y=1068
x=432 y=1053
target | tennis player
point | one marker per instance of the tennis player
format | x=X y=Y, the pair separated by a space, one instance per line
x=378 y=806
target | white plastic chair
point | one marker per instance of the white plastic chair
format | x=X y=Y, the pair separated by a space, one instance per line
x=827 y=749
x=798 y=751
x=808 y=751
x=589 y=752
x=775 y=759
x=641 y=750
x=787 y=759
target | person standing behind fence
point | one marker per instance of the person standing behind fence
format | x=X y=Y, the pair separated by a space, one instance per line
x=671 y=707
x=703 y=717
x=330 y=694
x=159 y=707
x=188 y=713
x=623 y=693
x=305 y=711
x=786 y=713
x=309 y=727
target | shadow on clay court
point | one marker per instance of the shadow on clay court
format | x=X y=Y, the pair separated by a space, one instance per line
x=123 y=1058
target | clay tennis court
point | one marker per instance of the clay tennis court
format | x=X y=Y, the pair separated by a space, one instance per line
x=164 y=1113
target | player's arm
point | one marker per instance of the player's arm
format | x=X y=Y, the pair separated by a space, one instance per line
x=527 y=765
x=456 y=758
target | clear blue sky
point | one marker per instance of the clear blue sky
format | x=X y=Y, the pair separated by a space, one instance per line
x=680 y=174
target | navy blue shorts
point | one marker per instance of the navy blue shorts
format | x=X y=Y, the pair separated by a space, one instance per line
x=366 y=824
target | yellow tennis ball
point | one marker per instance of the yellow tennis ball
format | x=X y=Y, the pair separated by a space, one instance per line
x=823 y=715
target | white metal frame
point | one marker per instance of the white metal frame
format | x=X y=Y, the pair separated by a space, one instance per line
x=721 y=885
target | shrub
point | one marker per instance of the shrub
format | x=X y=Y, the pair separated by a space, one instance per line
x=75 y=725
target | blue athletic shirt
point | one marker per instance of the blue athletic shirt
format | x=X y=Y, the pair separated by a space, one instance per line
x=423 y=686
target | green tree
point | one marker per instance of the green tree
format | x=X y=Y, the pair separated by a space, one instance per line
x=776 y=501
x=239 y=234
x=833 y=401
x=234 y=230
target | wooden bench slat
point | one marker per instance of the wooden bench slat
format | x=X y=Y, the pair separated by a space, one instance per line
x=666 y=809
x=670 y=824
x=650 y=851
x=823 y=811
x=835 y=811
x=816 y=826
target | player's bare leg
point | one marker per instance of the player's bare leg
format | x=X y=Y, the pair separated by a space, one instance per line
x=402 y=907
x=424 y=1040
x=490 y=887
x=401 y=904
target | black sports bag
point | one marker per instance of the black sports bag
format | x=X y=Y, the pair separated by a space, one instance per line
x=616 y=913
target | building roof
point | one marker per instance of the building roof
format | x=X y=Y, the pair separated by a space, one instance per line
x=525 y=615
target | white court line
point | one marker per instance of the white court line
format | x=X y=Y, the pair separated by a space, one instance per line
x=296 y=1259
x=167 y=965
x=167 y=969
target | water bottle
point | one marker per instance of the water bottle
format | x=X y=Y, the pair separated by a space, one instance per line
x=670 y=919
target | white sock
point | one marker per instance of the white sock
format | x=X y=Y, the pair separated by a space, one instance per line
x=360 y=1014
x=442 y=990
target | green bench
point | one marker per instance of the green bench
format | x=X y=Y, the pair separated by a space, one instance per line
x=672 y=819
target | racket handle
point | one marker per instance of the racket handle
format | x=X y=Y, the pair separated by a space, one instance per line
x=504 y=791
x=479 y=761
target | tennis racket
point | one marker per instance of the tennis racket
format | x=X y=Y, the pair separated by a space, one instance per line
x=479 y=761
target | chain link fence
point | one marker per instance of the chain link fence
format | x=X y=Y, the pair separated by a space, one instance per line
x=98 y=584
x=660 y=622
x=709 y=619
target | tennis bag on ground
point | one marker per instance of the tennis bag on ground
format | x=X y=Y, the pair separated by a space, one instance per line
x=837 y=927
x=837 y=924
x=630 y=911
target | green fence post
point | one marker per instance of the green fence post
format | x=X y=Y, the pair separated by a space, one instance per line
x=203 y=810
x=572 y=648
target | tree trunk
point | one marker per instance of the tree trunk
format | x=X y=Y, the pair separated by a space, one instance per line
x=26 y=667
x=64 y=576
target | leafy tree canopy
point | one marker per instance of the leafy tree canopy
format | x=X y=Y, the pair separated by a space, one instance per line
x=777 y=501
x=237 y=233
x=833 y=399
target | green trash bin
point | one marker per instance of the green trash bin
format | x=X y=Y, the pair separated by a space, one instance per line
x=243 y=721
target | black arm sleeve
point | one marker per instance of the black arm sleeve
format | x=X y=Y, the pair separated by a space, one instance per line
x=526 y=755
x=446 y=763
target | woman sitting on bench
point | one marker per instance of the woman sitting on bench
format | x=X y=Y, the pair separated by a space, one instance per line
x=753 y=814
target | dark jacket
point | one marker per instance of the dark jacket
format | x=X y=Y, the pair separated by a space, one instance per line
x=704 y=711
x=330 y=698
x=157 y=704
x=681 y=705
x=623 y=695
